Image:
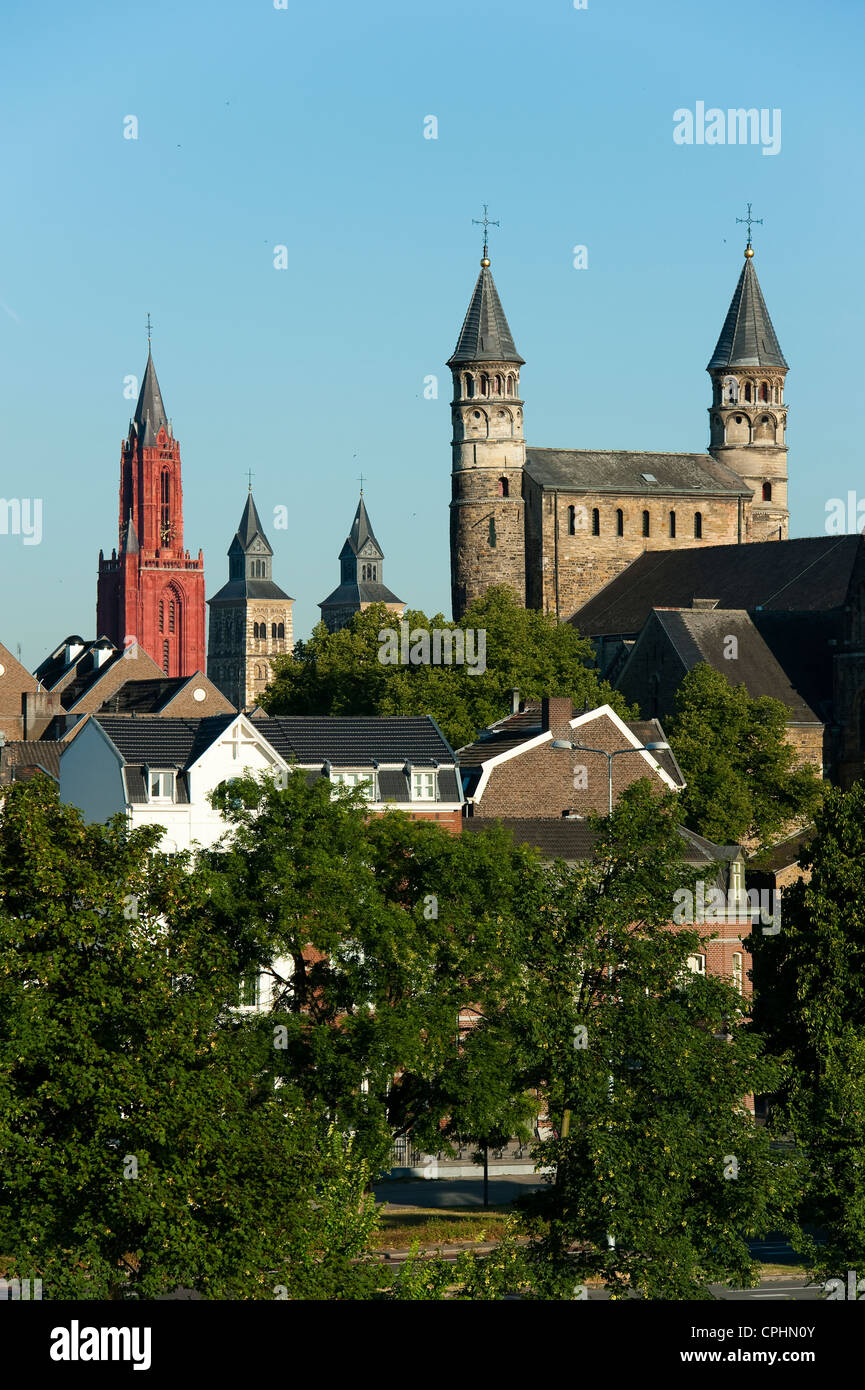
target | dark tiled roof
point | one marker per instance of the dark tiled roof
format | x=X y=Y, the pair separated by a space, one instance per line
x=811 y=574
x=154 y=741
x=782 y=855
x=621 y=471
x=571 y=839
x=702 y=636
x=236 y=590
x=145 y=697
x=22 y=754
x=393 y=785
x=250 y=526
x=748 y=338
x=350 y=595
x=361 y=533
x=650 y=731
x=358 y=740
x=485 y=335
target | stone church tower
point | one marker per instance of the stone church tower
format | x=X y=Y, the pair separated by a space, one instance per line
x=151 y=591
x=250 y=617
x=361 y=576
x=487 y=522
x=748 y=416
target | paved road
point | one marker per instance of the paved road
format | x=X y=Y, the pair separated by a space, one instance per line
x=453 y=1192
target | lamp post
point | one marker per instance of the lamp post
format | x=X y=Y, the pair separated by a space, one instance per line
x=566 y=744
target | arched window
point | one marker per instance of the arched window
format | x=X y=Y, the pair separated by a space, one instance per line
x=645 y=523
x=165 y=656
x=161 y=616
x=497 y=385
x=747 y=390
x=510 y=385
x=767 y=492
x=470 y=386
x=503 y=487
x=164 y=504
x=672 y=524
x=280 y=631
x=373 y=572
x=764 y=390
x=171 y=615
x=485 y=385
x=572 y=521
x=596 y=522
x=273 y=630
x=698 y=526
x=620 y=522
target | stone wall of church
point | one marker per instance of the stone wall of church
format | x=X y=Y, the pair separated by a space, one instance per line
x=238 y=659
x=488 y=544
x=564 y=547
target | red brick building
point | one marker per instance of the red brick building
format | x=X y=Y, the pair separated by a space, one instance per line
x=151 y=591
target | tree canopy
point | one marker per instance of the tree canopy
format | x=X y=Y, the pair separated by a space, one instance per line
x=743 y=778
x=342 y=673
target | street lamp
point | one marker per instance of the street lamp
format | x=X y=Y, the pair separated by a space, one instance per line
x=560 y=743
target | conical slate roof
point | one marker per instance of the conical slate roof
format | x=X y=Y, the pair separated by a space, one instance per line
x=747 y=338
x=485 y=335
x=130 y=544
x=150 y=412
x=250 y=527
x=361 y=532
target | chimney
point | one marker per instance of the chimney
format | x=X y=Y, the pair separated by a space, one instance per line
x=556 y=713
x=515 y=702
x=704 y=603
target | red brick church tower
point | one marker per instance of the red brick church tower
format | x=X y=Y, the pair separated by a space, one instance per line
x=152 y=591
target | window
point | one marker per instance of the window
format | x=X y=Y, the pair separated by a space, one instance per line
x=165 y=504
x=423 y=786
x=503 y=487
x=510 y=386
x=764 y=391
x=620 y=522
x=767 y=492
x=497 y=385
x=249 y=990
x=364 y=780
x=596 y=522
x=572 y=521
x=673 y=524
x=161 y=616
x=737 y=970
x=697 y=964
x=747 y=390
x=171 y=615
x=280 y=631
x=645 y=523
x=273 y=630
x=698 y=526
x=485 y=385
x=165 y=656
x=470 y=386
x=161 y=786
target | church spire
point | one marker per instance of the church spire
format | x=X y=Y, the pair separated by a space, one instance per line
x=149 y=414
x=748 y=338
x=485 y=335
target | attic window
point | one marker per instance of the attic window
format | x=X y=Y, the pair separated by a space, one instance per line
x=160 y=785
x=648 y=477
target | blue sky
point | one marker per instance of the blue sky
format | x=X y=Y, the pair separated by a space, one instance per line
x=304 y=127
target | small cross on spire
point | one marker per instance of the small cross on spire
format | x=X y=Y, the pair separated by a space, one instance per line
x=485 y=222
x=757 y=221
x=148 y=332
x=361 y=479
x=250 y=475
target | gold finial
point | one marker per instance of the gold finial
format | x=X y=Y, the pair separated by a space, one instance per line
x=485 y=222
x=757 y=221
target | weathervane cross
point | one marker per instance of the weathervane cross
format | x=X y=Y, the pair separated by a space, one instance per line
x=250 y=475
x=148 y=330
x=757 y=221
x=485 y=222
x=361 y=477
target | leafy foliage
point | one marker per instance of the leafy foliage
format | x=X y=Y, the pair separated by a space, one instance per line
x=742 y=775
x=340 y=673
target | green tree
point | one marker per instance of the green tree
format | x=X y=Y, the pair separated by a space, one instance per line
x=741 y=774
x=389 y=927
x=811 y=977
x=145 y=1139
x=341 y=673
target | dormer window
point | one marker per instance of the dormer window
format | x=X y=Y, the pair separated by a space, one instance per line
x=364 y=780
x=160 y=785
x=423 y=786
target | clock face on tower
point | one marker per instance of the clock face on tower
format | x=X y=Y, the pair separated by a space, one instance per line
x=167 y=532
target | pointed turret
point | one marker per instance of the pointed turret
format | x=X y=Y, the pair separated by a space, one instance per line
x=130 y=538
x=485 y=335
x=361 y=583
x=748 y=415
x=748 y=338
x=250 y=526
x=149 y=414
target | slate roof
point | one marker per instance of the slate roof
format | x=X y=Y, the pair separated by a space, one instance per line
x=621 y=471
x=699 y=635
x=485 y=335
x=517 y=729
x=782 y=855
x=144 y=696
x=149 y=412
x=238 y=590
x=352 y=594
x=748 y=337
x=812 y=574
x=18 y=756
x=355 y=741
x=573 y=840
x=250 y=526
x=361 y=532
